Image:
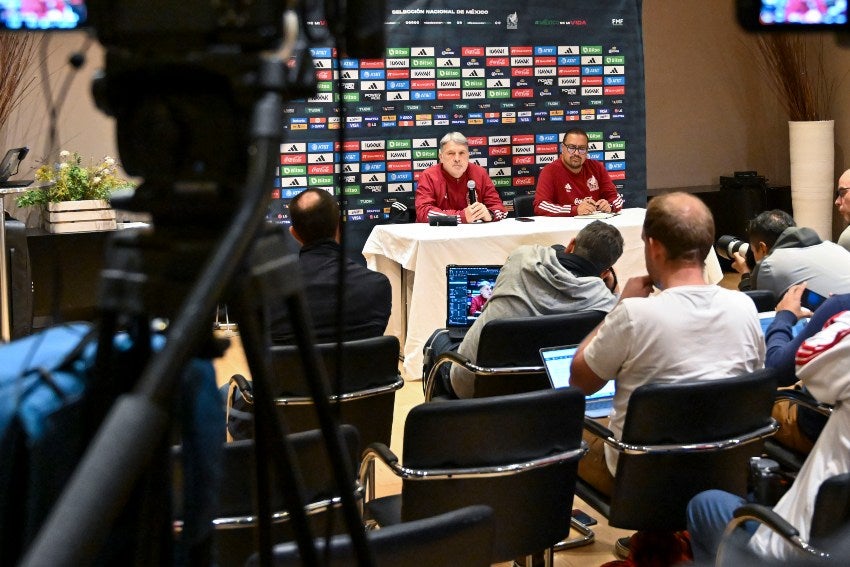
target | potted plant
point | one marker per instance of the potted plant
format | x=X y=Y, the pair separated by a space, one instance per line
x=795 y=71
x=74 y=197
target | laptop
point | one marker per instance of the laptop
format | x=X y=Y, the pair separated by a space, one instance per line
x=767 y=317
x=9 y=167
x=463 y=286
x=557 y=361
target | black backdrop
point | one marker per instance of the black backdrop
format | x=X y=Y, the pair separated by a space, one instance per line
x=510 y=76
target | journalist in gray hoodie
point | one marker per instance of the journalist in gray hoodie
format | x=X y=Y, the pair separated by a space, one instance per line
x=540 y=280
x=787 y=255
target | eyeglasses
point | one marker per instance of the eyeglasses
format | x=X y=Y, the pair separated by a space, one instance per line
x=839 y=194
x=573 y=149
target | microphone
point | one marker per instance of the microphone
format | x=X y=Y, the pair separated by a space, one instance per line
x=473 y=198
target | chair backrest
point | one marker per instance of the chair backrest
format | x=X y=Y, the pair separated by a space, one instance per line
x=652 y=490
x=832 y=509
x=370 y=378
x=517 y=342
x=764 y=299
x=235 y=521
x=532 y=507
x=459 y=537
x=524 y=206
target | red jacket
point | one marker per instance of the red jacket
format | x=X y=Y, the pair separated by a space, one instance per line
x=440 y=193
x=559 y=190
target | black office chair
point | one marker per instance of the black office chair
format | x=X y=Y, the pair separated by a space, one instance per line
x=236 y=523
x=678 y=440
x=764 y=299
x=524 y=206
x=787 y=457
x=517 y=454
x=460 y=537
x=366 y=396
x=508 y=359
x=830 y=518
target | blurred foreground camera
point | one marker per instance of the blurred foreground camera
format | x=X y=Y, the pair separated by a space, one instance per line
x=727 y=246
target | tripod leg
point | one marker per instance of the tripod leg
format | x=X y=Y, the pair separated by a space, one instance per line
x=269 y=437
x=278 y=275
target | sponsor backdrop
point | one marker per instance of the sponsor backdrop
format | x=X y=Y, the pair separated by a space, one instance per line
x=510 y=76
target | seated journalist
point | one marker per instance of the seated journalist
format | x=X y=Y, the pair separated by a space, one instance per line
x=574 y=185
x=542 y=280
x=690 y=330
x=799 y=426
x=822 y=365
x=314 y=214
x=443 y=188
x=786 y=255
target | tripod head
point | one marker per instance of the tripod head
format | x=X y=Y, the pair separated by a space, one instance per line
x=182 y=80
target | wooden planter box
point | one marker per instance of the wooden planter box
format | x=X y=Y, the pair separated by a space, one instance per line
x=79 y=216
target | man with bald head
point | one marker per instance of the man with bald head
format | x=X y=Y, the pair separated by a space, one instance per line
x=688 y=330
x=842 y=201
x=314 y=214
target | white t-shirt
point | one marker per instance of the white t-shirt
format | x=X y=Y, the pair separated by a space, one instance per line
x=683 y=333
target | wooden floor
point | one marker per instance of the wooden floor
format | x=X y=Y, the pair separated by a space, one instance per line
x=601 y=551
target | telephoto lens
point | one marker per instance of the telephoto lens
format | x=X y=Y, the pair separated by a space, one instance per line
x=727 y=246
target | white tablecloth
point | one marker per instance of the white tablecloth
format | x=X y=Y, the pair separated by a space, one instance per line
x=414 y=257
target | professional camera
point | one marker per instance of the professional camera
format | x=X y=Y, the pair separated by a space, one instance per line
x=766 y=481
x=727 y=246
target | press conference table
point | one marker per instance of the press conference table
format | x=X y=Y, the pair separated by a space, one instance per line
x=414 y=258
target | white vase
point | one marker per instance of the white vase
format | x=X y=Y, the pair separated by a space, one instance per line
x=812 y=174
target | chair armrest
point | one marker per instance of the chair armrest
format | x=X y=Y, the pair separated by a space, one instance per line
x=598 y=430
x=456 y=358
x=804 y=399
x=595 y=428
x=244 y=387
x=379 y=452
x=450 y=357
x=764 y=515
x=767 y=517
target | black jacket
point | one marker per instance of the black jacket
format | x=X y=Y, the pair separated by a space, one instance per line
x=367 y=303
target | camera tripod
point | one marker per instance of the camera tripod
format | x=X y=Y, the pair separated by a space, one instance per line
x=180 y=271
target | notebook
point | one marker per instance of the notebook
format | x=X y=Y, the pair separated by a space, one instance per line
x=557 y=361
x=463 y=290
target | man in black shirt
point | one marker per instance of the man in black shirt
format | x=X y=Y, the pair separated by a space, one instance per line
x=367 y=299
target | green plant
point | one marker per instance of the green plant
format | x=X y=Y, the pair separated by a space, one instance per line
x=69 y=180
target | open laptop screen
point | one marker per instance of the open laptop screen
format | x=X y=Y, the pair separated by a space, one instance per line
x=463 y=285
x=557 y=361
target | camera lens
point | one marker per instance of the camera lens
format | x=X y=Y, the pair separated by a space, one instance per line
x=727 y=246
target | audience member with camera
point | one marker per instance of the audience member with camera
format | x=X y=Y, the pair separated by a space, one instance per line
x=786 y=254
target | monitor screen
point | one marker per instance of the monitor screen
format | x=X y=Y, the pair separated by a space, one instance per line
x=42 y=14
x=467 y=290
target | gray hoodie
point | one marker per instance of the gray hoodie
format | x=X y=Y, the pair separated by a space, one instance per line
x=531 y=282
x=799 y=255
